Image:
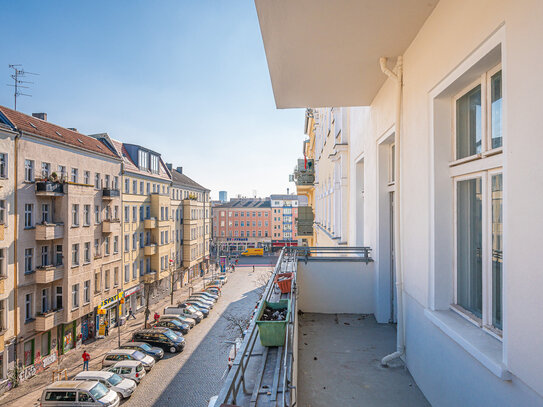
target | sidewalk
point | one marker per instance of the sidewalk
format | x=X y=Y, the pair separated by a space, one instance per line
x=29 y=391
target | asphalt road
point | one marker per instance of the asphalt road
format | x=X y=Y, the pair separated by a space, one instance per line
x=191 y=378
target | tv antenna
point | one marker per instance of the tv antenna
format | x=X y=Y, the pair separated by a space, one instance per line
x=19 y=72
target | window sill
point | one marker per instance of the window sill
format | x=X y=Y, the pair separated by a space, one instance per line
x=73 y=266
x=74 y=309
x=478 y=343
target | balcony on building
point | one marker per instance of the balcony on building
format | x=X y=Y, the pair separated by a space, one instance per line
x=304 y=223
x=150 y=249
x=149 y=277
x=48 y=320
x=331 y=339
x=49 y=188
x=111 y=226
x=108 y=193
x=151 y=223
x=304 y=173
x=48 y=273
x=3 y=278
x=49 y=231
x=2 y=231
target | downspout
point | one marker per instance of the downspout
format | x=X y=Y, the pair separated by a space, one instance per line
x=15 y=254
x=397 y=76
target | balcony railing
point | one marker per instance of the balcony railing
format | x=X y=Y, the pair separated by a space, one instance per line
x=48 y=320
x=150 y=223
x=49 y=188
x=150 y=249
x=108 y=193
x=111 y=226
x=49 y=273
x=49 y=231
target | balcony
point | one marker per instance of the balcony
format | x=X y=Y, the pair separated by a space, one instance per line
x=49 y=231
x=304 y=224
x=342 y=342
x=111 y=226
x=304 y=173
x=150 y=249
x=48 y=274
x=49 y=188
x=151 y=223
x=108 y=194
x=149 y=277
x=2 y=279
x=2 y=228
x=47 y=321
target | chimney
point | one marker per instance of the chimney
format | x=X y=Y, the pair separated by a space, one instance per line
x=169 y=165
x=72 y=129
x=41 y=116
x=180 y=170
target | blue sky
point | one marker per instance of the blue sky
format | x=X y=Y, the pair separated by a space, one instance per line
x=188 y=79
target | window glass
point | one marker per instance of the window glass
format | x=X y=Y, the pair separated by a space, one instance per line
x=98 y=391
x=496 y=109
x=497 y=250
x=84 y=397
x=469 y=244
x=468 y=124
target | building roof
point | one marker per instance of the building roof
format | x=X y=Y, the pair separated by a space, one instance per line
x=181 y=179
x=129 y=165
x=285 y=197
x=246 y=204
x=41 y=128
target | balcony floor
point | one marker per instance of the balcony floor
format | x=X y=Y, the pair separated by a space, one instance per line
x=347 y=370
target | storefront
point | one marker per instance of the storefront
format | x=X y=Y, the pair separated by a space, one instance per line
x=108 y=313
x=88 y=327
x=67 y=335
x=133 y=298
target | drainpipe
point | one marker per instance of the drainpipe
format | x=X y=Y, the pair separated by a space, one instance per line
x=15 y=255
x=397 y=76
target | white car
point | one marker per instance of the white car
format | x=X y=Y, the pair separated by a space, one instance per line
x=78 y=393
x=129 y=369
x=181 y=318
x=118 y=355
x=125 y=387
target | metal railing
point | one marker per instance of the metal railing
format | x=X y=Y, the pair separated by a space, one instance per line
x=339 y=253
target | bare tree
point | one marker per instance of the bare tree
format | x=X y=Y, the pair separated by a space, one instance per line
x=236 y=324
x=262 y=281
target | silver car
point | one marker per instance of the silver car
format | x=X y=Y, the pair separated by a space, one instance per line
x=118 y=355
x=125 y=387
x=128 y=369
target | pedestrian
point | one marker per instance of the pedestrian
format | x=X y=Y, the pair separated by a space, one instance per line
x=253 y=269
x=131 y=313
x=86 y=358
x=106 y=328
x=233 y=268
x=156 y=317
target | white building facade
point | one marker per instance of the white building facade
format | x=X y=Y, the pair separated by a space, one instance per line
x=439 y=173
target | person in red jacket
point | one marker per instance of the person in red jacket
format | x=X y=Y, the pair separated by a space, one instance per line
x=86 y=358
x=156 y=317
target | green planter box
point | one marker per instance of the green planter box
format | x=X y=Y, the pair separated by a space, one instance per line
x=272 y=333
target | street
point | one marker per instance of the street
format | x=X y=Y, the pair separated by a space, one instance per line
x=192 y=377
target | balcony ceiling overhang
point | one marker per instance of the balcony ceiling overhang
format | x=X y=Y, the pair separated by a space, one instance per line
x=324 y=53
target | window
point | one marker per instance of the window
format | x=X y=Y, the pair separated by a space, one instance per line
x=115 y=276
x=62 y=172
x=28 y=307
x=126 y=273
x=3 y=165
x=134 y=241
x=29 y=260
x=135 y=269
x=126 y=186
x=58 y=255
x=106 y=179
x=75 y=254
x=3 y=264
x=96 y=214
x=141 y=213
x=58 y=299
x=45 y=213
x=28 y=352
x=154 y=163
x=148 y=188
x=75 y=295
x=106 y=245
x=115 y=244
x=96 y=248
x=134 y=187
x=126 y=243
x=141 y=188
x=2 y=211
x=116 y=212
x=86 y=178
x=134 y=213
x=86 y=292
x=97 y=180
x=29 y=215
x=143 y=159
x=106 y=280
x=86 y=252
x=115 y=183
x=86 y=215
x=29 y=170
x=97 y=282
x=75 y=215
x=74 y=175
x=45 y=170
x=44 y=256
x=127 y=213
x=478 y=202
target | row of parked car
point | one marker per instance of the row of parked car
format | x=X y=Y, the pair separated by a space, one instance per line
x=125 y=367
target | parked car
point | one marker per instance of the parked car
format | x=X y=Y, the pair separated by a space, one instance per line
x=223 y=278
x=204 y=309
x=174 y=325
x=164 y=338
x=209 y=295
x=116 y=355
x=188 y=311
x=78 y=393
x=191 y=322
x=217 y=282
x=204 y=301
x=125 y=387
x=213 y=290
x=205 y=297
x=145 y=348
x=129 y=369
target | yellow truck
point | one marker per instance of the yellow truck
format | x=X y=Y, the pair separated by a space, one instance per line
x=253 y=252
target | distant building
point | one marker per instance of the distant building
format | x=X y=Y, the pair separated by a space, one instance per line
x=284 y=214
x=223 y=196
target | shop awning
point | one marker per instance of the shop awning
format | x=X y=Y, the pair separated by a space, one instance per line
x=324 y=53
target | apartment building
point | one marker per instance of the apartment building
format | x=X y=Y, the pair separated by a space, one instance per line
x=147 y=226
x=284 y=215
x=437 y=171
x=67 y=250
x=242 y=223
x=8 y=300
x=191 y=213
